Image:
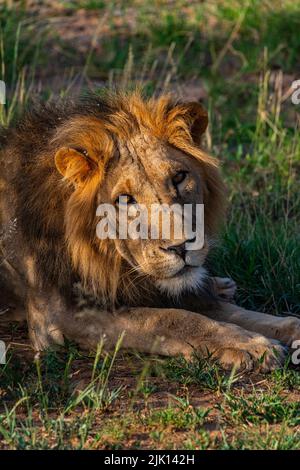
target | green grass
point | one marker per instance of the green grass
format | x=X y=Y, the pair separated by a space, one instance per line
x=261 y=248
x=43 y=394
x=83 y=4
x=186 y=417
x=204 y=35
x=21 y=40
x=201 y=372
x=70 y=401
x=283 y=439
x=235 y=54
x=261 y=407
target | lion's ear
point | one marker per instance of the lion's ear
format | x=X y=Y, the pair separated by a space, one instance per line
x=74 y=165
x=198 y=120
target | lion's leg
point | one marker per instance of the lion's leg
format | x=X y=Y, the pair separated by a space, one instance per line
x=12 y=294
x=284 y=329
x=44 y=312
x=171 y=332
x=224 y=287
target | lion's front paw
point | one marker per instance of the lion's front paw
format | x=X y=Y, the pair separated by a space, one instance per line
x=258 y=353
x=224 y=287
x=289 y=330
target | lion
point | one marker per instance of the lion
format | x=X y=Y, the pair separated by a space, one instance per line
x=58 y=163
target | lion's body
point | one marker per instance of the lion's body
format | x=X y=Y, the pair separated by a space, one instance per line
x=57 y=165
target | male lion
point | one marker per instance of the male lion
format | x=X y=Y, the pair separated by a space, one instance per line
x=58 y=164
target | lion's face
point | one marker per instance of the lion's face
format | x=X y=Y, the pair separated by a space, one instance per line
x=148 y=153
x=149 y=172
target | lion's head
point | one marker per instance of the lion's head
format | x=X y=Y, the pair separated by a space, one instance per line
x=148 y=152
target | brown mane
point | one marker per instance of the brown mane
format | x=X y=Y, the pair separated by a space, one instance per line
x=50 y=201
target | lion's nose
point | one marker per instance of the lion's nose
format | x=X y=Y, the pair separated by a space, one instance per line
x=179 y=249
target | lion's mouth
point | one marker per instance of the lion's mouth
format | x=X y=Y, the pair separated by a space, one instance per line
x=187 y=279
x=187 y=268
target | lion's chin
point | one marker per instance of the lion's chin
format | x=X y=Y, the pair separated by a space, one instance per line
x=189 y=279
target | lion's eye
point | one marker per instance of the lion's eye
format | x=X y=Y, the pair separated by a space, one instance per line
x=123 y=199
x=179 y=177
